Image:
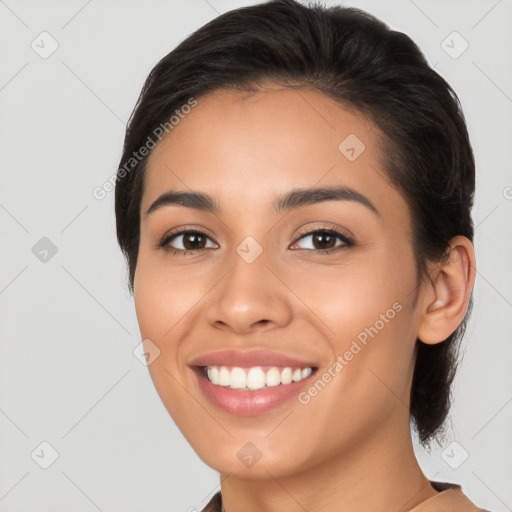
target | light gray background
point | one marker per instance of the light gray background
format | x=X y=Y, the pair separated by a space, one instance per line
x=68 y=326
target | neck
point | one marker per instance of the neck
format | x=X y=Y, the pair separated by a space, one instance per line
x=381 y=474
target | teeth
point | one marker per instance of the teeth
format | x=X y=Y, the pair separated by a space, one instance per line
x=286 y=376
x=273 y=377
x=224 y=377
x=238 y=378
x=306 y=372
x=255 y=378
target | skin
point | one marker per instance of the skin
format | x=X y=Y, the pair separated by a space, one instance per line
x=350 y=447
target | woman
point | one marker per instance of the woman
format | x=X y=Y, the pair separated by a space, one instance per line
x=294 y=203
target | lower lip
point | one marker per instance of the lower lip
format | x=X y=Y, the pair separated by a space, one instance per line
x=249 y=403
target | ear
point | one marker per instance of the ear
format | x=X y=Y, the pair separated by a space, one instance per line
x=446 y=295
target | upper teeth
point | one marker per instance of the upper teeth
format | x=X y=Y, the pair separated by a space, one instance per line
x=254 y=378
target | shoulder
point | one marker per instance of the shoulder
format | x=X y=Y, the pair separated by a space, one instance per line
x=450 y=499
x=215 y=504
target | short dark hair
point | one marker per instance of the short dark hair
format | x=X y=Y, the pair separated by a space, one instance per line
x=357 y=60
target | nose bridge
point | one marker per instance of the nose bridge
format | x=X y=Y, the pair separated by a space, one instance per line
x=249 y=293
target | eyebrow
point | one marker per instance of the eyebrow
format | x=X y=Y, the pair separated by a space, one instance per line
x=294 y=199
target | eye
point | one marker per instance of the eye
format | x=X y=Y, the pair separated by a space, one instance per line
x=325 y=240
x=186 y=242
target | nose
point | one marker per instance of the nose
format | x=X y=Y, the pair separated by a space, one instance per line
x=249 y=298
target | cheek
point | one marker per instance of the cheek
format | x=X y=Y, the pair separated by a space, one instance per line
x=371 y=334
x=164 y=298
x=366 y=311
x=352 y=295
x=168 y=301
x=165 y=294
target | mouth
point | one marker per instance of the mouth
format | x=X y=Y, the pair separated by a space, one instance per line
x=251 y=391
x=254 y=378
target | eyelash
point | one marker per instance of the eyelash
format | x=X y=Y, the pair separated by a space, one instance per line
x=165 y=241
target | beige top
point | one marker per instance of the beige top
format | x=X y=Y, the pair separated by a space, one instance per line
x=449 y=499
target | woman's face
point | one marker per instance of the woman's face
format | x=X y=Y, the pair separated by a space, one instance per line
x=275 y=285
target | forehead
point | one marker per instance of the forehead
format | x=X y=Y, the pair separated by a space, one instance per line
x=246 y=146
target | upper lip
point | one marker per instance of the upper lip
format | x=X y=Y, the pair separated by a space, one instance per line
x=249 y=359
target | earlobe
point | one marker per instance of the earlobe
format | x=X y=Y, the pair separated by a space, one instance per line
x=447 y=294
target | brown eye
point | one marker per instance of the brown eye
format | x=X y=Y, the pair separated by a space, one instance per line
x=324 y=240
x=187 y=241
x=193 y=241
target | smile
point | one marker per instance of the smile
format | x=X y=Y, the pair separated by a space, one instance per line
x=250 y=391
x=258 y=377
